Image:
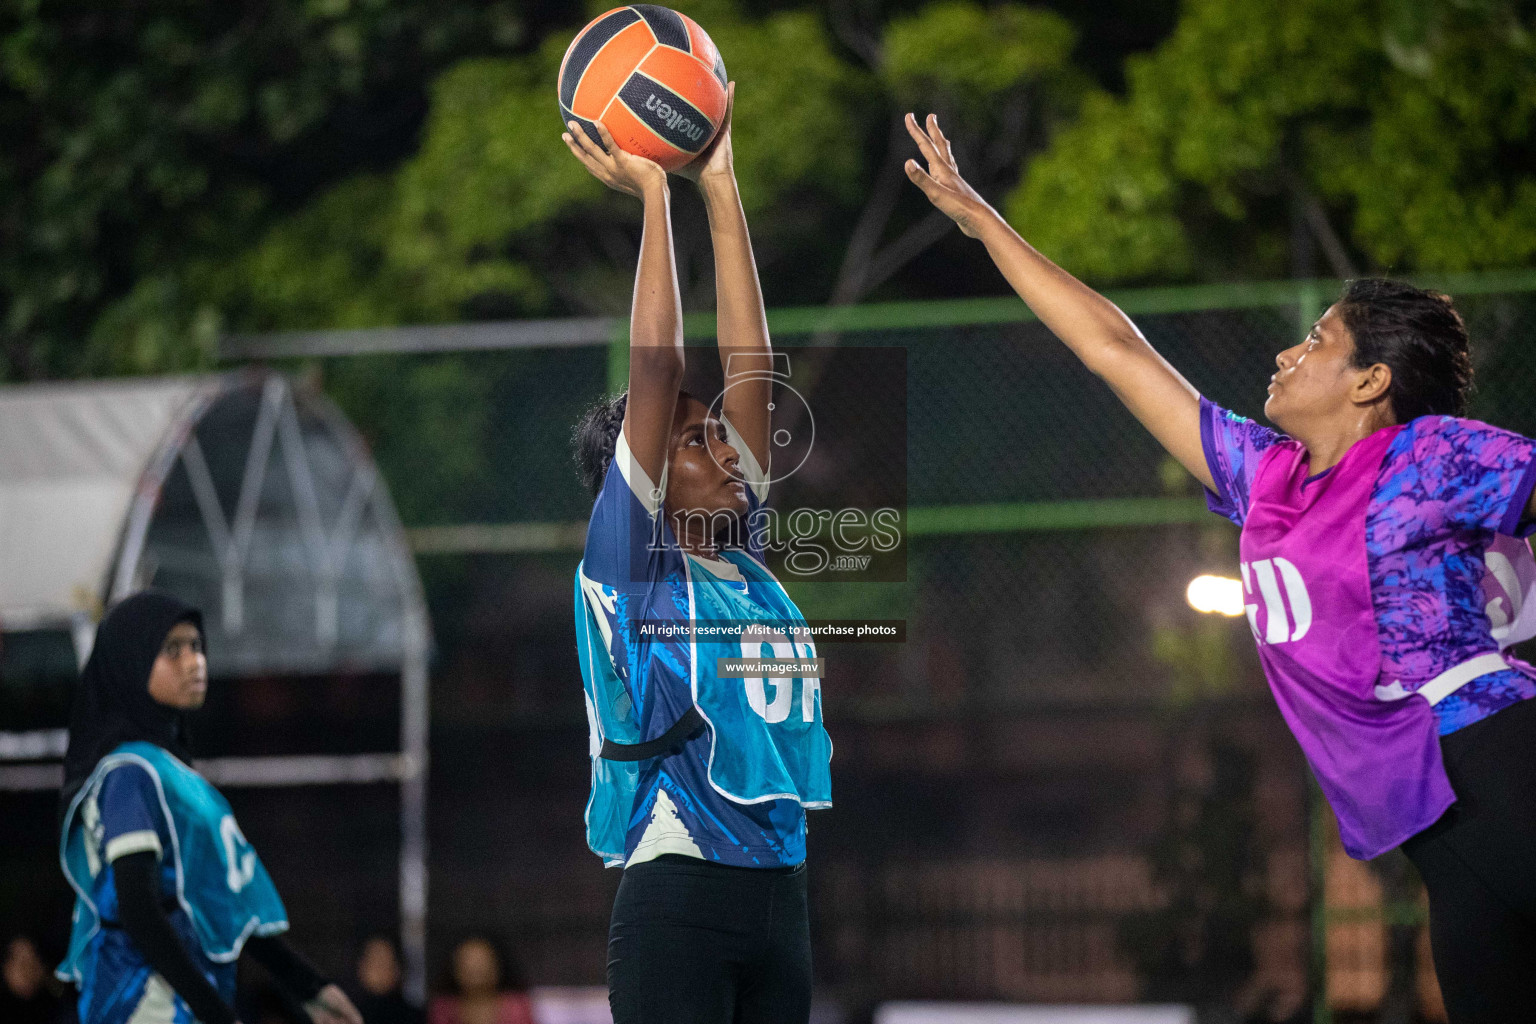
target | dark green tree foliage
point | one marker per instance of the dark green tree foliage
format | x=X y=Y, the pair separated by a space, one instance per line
x=1397 y=135
x=491 y=217
x=151 y=148
x=1001 y=78
x=144 y=136
x=174 y=169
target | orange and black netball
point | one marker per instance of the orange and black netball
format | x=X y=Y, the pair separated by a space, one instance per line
x=652 y=76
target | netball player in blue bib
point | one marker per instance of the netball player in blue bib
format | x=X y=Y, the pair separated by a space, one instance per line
x=700 y=782
x=168 y=892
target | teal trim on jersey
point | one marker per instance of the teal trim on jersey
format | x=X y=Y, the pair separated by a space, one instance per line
x=220 y=882
x=610 y=715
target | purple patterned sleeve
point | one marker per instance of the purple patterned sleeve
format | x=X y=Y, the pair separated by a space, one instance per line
x=1480 y=477
x=1232 y=446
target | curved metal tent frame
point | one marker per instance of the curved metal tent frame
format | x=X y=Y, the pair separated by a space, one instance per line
x=256 y=501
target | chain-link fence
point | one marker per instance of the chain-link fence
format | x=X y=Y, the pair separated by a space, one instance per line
x=1066 y=785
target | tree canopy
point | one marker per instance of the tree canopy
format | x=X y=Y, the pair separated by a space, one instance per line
x=491 y=216
x=176 y=170
x=143 y=137
x=1388 y=136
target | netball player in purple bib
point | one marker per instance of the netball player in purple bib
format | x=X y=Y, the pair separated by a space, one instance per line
x=1381 y=577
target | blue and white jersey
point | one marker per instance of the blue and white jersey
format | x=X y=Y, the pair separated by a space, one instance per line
x=737 y=792
x=215 y=890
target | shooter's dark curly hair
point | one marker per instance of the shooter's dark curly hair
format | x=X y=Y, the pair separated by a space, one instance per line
x=596 y=437
x=1420 y=336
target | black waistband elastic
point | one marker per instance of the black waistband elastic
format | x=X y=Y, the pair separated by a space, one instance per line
x=683 y=862
x=169 y=905
x=683 y=730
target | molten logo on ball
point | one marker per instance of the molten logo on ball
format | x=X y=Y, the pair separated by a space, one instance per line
x=674 y=119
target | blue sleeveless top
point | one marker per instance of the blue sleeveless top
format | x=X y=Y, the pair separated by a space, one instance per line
x=221 y=890
x=737 y=792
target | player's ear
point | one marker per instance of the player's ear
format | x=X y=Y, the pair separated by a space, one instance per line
x=1372 y=384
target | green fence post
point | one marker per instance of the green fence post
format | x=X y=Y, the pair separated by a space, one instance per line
x=1310 y=304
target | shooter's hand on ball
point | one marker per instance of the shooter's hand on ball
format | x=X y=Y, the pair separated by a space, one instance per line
x=941 y=182
x=623 y=172
x=715 y=163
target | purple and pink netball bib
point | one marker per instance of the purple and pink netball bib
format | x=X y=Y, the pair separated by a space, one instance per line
x=1309 y=603
x=1383 y=595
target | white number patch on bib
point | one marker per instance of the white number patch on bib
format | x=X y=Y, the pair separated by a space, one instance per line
x=783 y=686
x=1271 y=576
x=239 y=858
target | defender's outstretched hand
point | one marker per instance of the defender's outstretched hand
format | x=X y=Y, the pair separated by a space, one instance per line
x=941 y=182
x=620 y=171
x=715 y=160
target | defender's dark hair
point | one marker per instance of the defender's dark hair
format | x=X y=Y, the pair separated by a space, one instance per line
x=596 y=438
x=1420 y=336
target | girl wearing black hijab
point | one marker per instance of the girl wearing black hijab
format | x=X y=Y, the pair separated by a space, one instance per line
x=168 y=891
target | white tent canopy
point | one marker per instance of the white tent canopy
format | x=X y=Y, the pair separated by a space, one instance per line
x=249 y=498
x=71 y=459
x=252 y=500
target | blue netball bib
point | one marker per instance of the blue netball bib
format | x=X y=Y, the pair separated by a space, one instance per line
x=220 y=882
x=769 y=742
x=765 y=734
x=736 y=789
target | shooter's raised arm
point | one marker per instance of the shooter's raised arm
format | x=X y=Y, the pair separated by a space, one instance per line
x=742 y=327
x=1090 y=325
x=656 y=317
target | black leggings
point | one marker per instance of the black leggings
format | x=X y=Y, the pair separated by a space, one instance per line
x=692 y=942
x=1479 y=866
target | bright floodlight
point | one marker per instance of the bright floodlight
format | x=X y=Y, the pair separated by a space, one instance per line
x=1215 y=594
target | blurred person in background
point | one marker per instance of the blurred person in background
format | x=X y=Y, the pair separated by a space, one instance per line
x=378 y=996
x=27 y=994
x=484 y=985
x=1383 y=576
x=700 y=782
x=168 y=892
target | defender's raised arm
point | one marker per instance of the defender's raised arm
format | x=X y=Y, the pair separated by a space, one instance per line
x=1090 y=325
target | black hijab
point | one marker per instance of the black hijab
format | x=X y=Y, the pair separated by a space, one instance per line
x=112 y=704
